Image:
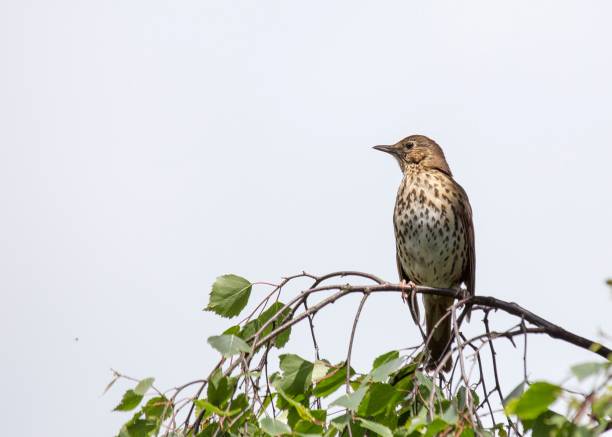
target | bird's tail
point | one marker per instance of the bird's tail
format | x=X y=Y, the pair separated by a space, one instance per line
x=439 y=331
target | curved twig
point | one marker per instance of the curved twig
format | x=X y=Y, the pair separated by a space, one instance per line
x=549 y=328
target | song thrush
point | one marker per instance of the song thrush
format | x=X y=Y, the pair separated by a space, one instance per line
x=434 y=235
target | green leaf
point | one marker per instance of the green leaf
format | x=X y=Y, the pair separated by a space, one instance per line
x=266 y=403
x=334 y=379
x=304 y=428
x=321 y=368
x=283 y=404
x=340 y=422
x=602 y=407
x=158 y=407
x=475 y=398
x=450 y=415
x=255 y=325
x=382 y=372
x=282 y=338
x=130 y=400
x=546 y=424
x=435 y=427
x=229 y=295
x=302 y=411
x=376 y=399
x=140 y=427
x=425 y=385
x=501 y=431
x=376 y=427
x=232 y=330
x=424 y=381
x=274 y=427
x=203 y=403
x=585 y=370
x=382 y=359
x=462 y=398
x=351 y=401
x=209 y=430
x=406 y=372
x=228 y=345
x=419 y=421
x=241 y=401
x=515 y=393
x=144 y=385
x=297 y=374
x=404 y=385
x=320 y=415
x=220 y=388
x=534 y=401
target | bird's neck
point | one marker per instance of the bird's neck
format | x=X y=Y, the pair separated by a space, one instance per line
x=416 y=168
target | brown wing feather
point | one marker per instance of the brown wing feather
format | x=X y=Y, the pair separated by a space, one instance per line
x=469 y=273
x=413 y=305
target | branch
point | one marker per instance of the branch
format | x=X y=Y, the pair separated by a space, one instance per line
x=300 y=308
x=549 y=328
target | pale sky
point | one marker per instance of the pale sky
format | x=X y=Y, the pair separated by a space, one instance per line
x=147 y=147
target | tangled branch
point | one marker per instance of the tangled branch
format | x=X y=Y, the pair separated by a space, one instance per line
x=269 y=324
x=481 y=302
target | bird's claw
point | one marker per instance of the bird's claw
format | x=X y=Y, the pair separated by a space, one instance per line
x=408 y=295
x=463 y=294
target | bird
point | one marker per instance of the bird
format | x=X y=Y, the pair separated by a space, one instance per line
x=434 y=236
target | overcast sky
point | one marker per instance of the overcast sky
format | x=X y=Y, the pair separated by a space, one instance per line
x=147 y=147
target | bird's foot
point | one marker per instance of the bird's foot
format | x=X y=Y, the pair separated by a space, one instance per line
x=410 y=294
x=463 y=294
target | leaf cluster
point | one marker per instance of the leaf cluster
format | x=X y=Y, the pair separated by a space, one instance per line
x=395 y=397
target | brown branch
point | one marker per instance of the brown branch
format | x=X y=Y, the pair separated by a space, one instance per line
x=350 y=352
x=338 y=291
x=549 y=328
x=481 y=379
x=350 y=349
x=495 y=374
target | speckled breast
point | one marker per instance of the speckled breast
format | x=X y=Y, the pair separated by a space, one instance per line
x=430 y=235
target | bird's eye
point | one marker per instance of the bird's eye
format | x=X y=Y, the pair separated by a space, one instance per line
x=409 y=145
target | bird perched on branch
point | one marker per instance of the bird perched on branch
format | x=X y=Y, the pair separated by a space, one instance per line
x=434 y=236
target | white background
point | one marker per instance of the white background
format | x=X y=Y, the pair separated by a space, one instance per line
x=148 y=146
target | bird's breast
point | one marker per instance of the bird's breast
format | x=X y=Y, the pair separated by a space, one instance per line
x=430 y=236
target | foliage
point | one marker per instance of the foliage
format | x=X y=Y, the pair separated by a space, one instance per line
x=395 y=397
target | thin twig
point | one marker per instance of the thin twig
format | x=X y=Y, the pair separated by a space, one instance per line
x=350 y=348
x=279 y=323
x=495 y=374
x=350 y=351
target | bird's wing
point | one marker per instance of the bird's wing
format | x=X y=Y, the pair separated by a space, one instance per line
x=469 y=274
x=412 y=303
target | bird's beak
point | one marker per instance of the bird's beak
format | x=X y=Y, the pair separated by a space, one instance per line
x=387 y=149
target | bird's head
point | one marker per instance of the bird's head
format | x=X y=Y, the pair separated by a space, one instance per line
x=417 y=150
